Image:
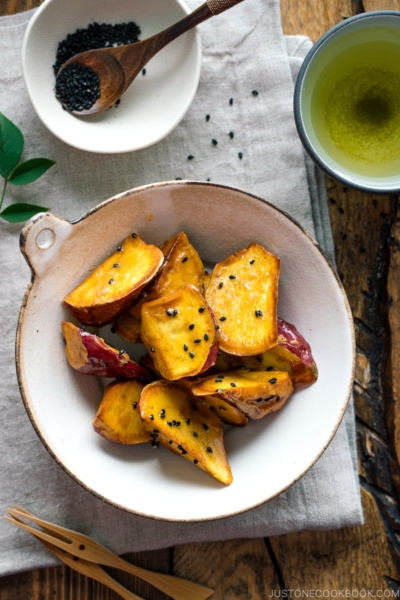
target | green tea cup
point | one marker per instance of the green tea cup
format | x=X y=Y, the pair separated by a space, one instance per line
x=347 y=102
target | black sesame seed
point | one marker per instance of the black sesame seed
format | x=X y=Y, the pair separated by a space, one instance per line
x=185 y=347
x=255 y=93
x=195 y=461
x=209 y=449
x=259 y=400
x=269 y=368
x=269 y=398
x=191 y=354
x=169 y=423
x=214 y=142
x=170 y=442
x=188 y=421
x=191 y=326
x=183 y=452
x=202 y=309
x=175 y=312
x=152 y=349
x=258 y=313
x=116 y=265
x=178 y=178
x=119 y=248
x=195 y=434
x=231 y=134
x=277 y=399
x=81 y=327
x=143 y=71
x=231 y=101
x=207 y=117
x=232 y=276
x=184 y=259
x=233 y=384
x=222 y=318
x=240 y=155
x=156 y=431
x=221 y=285
x=173 y=422
x=217 y=327
x=218 y=381
x=169 y=312
x=205 y=427
x=151 y=417
x=180 y=447
x=206 y=337
x=134 y=404
x=190 y=157
x=162 y=416
x=197 y=341
x=111 y=281
x=219 y=354
x=121 y=352
x=273 y=380
x=253 y=261
x=134 y=236
x=178 y=423
x=95 y=36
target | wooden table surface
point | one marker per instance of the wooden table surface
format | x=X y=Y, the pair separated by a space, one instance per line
x=365 y=560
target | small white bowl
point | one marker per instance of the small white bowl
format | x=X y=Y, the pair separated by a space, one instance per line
x=266 y=456
x=154 y=104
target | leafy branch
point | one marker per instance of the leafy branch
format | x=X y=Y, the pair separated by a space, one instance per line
x=11 y=147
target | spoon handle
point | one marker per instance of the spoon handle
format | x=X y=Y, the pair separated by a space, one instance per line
x=218 y=6
x=152 y=45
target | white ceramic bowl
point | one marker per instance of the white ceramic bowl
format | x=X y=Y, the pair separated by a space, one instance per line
x=267 y=456
x=154 y=104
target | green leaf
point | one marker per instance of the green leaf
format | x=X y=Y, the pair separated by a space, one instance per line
x=11 y=145
x=15 y=213
x=30 y=170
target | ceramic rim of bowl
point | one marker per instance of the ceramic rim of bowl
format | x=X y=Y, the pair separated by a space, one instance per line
x=301 y=130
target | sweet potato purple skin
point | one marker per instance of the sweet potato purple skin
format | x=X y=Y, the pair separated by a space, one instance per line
x=304 y=370
x=89 y=354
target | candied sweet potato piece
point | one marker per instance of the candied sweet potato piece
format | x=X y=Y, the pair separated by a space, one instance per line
x=293 y=347
x=291 y=354
x=114 y=284
x=182 y=266
x=243 y=294
x=117 y=418
x=179 y=332
x=128 y=327
x=89 y=354
x=256 y=393
x=227 y=412
x=168 y=408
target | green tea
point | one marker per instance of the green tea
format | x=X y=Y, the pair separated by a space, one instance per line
x=355 y=106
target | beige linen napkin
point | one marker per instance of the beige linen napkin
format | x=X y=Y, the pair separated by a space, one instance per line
x=243 y=50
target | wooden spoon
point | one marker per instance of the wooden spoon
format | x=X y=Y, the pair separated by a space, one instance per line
x=118 y=66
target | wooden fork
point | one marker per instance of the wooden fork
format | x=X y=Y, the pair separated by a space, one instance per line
x=83 y=547
x=89 y=569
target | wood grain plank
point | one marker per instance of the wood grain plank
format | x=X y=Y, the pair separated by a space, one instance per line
x=354 y=558
x=236 y=569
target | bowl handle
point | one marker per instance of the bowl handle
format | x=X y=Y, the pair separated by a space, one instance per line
x=41 y=239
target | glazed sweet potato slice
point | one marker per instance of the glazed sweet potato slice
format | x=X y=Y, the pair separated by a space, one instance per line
x=168 y=409
x=128 y=327
x=114 y=284
x=179 y=332
x=293 y=347
x=227 y=412
x=117 y=418
x=89 y=354
x=182 y=266
x=291 y=354
x=256 y=393
x=243 y=294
